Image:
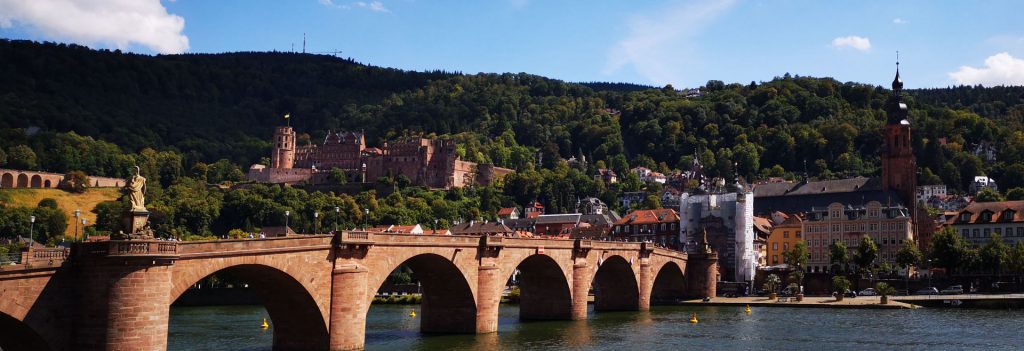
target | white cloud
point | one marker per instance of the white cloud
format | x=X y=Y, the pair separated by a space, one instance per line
x=1000 y=69
x=120 y=23
x=375 y=6
x=853 y=42
x=658 y=45
x=898 y=20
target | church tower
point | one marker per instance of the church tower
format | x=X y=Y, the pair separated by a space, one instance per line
x=284 y=148
x=899 y=170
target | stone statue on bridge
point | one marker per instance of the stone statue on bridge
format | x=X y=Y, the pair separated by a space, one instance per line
x=136 y=218
x=136 y=189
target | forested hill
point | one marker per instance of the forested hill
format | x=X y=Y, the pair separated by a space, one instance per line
x=210 y=107
x=220 y=105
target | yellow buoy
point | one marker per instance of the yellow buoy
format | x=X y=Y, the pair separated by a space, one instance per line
x=412 y=313
x=693 y=318
x=748 y=309
x=265 y=325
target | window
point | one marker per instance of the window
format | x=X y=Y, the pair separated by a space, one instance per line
x=1009 y=231
x=785 y=246
x=975 y=233
x=987 y=232
x=998 y=231
x=1020 y=231
x=785 y=234
x=965 y=233
x=775 y=246
x=797 y=233
x=775 y=259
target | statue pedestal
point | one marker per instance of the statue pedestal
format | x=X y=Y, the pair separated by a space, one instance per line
x=137 y=223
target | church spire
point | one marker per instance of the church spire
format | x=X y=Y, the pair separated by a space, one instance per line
x=897 y=83
x=894 y=107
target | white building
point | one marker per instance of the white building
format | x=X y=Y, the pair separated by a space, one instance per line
x=926 y=192
x=979 y=221
x=982 y=182
x=728 y=219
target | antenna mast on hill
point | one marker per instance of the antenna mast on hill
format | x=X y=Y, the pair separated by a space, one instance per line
x=303 y=42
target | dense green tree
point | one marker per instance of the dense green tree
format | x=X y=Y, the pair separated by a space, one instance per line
x=948 y=250
x=909 y=255
x=1015 y=194
x=988 y=195
x=21 y=157
x=798 y=255
x=867 y=253
x=994 y=254
x=838 y=255
x=651 y=202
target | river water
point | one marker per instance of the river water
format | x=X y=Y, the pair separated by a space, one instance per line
x=389 y=327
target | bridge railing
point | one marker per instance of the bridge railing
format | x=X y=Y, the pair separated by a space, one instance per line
x=142 y=248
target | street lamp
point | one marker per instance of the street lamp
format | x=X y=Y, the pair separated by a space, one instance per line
x=929 y=272
x=286 y=215
x=435 y=226
x=31 y=229
x=366 y=218
x=316 y=219
x=84 y=234
x=337 y=214
x=78 y=213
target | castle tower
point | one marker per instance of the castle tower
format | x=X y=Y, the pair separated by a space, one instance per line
x=899 y=169
x=284 y=148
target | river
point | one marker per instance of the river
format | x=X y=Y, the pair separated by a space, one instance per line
x=389 y=327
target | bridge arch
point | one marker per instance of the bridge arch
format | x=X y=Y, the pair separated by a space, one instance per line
x=16 y=335
x=7 y=180
x=298 y=320
x=46 y=184
x=615 y=286
x=22 y=180
x=37 y=181
x=448 y=302
x=669 y=284
x=544 y=290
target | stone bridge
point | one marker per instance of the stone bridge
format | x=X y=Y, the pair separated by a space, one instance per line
x=317 y=289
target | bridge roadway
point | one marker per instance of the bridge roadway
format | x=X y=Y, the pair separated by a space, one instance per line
x=317 y=289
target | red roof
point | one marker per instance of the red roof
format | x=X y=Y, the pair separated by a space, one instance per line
x=999 y=212
x=533 y=214
x=649 y=217
x=506 y=211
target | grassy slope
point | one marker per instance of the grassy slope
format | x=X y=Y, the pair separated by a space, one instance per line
x=68 y=202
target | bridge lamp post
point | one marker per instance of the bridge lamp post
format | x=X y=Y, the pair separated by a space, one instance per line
x=337 y=214
x=366 y=218
x=78 y=213
x=84 y=234
x=316 y=220
x=435 y=226
x=929 y=273
x=286 y=215
x=31 y=229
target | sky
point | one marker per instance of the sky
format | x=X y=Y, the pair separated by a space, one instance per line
x=684 y=43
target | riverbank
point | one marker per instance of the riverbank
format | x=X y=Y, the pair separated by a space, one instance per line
x=863 y=302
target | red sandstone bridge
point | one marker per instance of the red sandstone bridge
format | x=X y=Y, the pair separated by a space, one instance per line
x=116 y=295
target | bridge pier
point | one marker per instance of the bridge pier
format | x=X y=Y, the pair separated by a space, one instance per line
x=349 y=305
x=488 y=298
x=702 y=275
x=646 y=283
x=125 y=307
x=580 y=290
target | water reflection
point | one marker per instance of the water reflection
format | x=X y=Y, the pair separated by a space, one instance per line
x=663 y=328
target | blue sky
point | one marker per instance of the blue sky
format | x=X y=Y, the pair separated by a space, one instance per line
x=683 y=43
